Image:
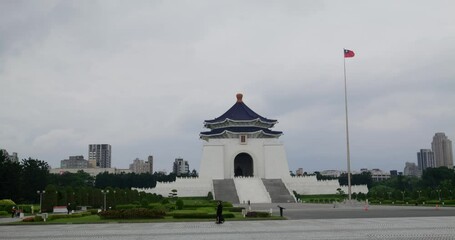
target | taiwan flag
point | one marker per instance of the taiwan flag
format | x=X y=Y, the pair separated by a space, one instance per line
x=348 y=53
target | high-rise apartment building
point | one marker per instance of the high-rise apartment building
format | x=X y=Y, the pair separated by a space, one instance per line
x=411 y=169
x=99 y=155
x=425 y=159
x=140 y=166
x=180 y=167
x=150 y=162
x=77 y=162
x=12 y=158
x=442 y=148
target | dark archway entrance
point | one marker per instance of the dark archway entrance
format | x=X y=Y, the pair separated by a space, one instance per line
x=243 y=165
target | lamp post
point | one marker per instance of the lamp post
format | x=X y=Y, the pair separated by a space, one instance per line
x=104 y=192
x=41 y=200
x=402 y=193
x=389 y=194
x=418 y=191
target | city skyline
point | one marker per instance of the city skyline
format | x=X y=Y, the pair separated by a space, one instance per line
x=144 y=75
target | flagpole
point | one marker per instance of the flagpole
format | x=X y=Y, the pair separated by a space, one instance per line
x=348 y=154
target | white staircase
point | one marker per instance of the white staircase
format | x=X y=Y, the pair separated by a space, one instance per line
x=251 y=189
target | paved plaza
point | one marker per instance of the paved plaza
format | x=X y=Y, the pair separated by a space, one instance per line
x=359 y=228
x=307 y=221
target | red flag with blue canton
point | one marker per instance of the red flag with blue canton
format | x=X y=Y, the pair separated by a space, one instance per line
x=348 y=53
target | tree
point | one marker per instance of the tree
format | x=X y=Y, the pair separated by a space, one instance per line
x=10 y=174
x=357 y=179
x=49 y=199
x=433 y=177
x=34 y=177
x=194 y=173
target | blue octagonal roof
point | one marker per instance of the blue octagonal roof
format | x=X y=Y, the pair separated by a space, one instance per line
x=240 y=112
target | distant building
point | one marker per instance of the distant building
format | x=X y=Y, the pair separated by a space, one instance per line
x=442 y=148
x=393 y=173
x=99 y=155
x=140 y=166
x=12 y=158
x=299 y=172
x=77 y=162
x=377 y=174
x=331 y=173
x=425 y=159
x=92 y=171
x=150 y=162
x=411 y=169
x=180 y=167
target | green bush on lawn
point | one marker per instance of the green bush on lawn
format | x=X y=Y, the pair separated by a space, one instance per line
x=234 y=209
x=132 y=213
x=6 y=205
x=25 y=208
x=4 y=213
x=257 y=214
x=201 y=215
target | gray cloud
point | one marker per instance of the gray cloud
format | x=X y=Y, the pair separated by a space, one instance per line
x=143 y=76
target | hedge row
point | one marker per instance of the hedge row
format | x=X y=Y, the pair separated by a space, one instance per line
x=6 y=205
x=200 y=215
x=234 y=209
x=4 y=213
x=132 y=213
x=257 y=214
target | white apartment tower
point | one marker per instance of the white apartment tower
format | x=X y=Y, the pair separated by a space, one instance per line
x=140 y=166
x=99 y=155
x=180 y=167
x=442 y=148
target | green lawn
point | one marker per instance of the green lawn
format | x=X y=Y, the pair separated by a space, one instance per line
x=191 y=205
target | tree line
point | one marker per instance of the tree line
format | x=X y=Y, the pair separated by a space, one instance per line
x=435 y=184
x=21 y=181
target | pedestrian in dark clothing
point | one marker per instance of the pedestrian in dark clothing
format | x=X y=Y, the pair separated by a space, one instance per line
x=219 y=213
x=13 y=212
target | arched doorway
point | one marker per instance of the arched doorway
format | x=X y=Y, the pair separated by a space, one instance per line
x=243 y=165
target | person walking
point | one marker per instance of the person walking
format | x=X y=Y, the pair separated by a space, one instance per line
x=219 y=213
x=13 y=212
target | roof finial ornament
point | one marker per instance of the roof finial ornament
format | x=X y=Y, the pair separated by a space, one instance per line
x=239 y=97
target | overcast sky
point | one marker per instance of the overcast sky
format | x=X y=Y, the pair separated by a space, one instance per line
x=144 y=75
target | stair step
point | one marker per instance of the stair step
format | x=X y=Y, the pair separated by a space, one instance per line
x=225 y=190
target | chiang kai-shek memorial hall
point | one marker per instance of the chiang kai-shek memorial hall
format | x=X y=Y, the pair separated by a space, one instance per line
x=243 y=160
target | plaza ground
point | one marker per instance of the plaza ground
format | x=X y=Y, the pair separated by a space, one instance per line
x=294 y=211
x=308 y=221
x=355 y=228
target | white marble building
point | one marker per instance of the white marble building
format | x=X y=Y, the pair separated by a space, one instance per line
x=243 y=160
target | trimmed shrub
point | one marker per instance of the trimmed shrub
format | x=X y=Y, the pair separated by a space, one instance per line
x=210 y=196
x=132 y=213
x=6 y=205
x=59 y=216
x=38 y=219
x=4 y=213
x=200 y=215
x=126 y=206
x=93 y=211
x=257 y=214
x=227 y=204
x=234 y=209
x=179 y=204
x=25 y=208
